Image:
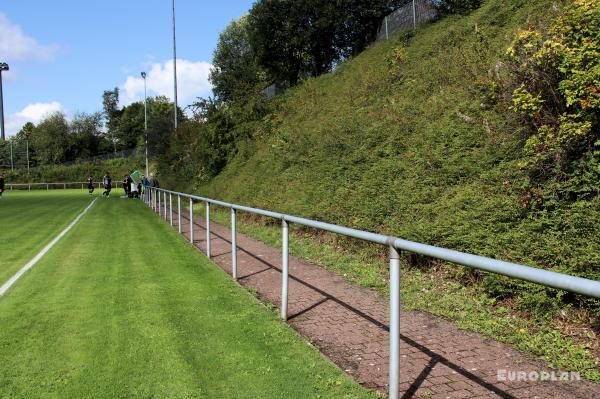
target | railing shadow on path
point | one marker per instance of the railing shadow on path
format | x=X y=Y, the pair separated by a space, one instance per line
x=435 y=358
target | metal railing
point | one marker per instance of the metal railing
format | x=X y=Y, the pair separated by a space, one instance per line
x=157 y=199
x=48 y=186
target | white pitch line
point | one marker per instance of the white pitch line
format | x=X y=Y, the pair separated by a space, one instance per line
x=6 y=286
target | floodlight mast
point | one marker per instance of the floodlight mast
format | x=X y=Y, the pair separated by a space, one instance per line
x=3 y=67
x=174 y=69
x=145 y=121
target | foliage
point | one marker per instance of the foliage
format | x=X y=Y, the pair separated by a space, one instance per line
x=50 y=139
x=131 y=125
x=235 y=70
x=296 y=39
x=458 y=6
x=203 y=145
x=112 y=113
x=556 y=71
x=87 y=136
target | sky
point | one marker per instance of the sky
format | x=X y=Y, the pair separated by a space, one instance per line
x=63 y=54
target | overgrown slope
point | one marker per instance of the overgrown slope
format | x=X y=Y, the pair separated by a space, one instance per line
x=405 y=140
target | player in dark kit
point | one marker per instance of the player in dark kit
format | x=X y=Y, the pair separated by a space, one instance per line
x=127 y=186
x=1 y=185
x=90 y=183
x=106 y=180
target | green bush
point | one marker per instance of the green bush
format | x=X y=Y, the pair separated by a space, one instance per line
x=556 y=71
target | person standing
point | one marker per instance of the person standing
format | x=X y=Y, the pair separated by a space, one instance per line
x=154 y=181
x=106 y=181
x=146 y=185
x=126 y=186
x=1 y=185
x=130 y=186
x=90 y=184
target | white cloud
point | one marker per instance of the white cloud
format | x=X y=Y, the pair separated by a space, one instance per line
x=31 y=113
x=14 y=44
x=192 y=82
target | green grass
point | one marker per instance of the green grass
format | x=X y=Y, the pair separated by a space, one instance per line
x=469 y=306
x=124 y=307
x=30 y=220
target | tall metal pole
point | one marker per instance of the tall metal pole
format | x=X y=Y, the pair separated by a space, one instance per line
x=174 y=69
x=3 y=67
x=12 y=163
x=414 y=14
x=145 y=122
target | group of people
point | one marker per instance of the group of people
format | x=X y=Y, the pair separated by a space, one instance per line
x=132 y=190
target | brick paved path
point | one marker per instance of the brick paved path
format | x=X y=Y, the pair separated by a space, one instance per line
x=349 y=324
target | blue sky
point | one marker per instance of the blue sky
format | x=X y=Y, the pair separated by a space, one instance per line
x=63 y=54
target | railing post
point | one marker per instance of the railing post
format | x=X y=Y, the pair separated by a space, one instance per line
x=191 y=220
x=233 y=245
x=165 y=204
x=179 y=212
x=47 y=188
x=284 y=268
x=171 y=207
x=158 y=196
x=64 y=186
x=394 y=376
x=208 y=229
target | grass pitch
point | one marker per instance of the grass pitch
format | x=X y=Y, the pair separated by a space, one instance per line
x=124 y=307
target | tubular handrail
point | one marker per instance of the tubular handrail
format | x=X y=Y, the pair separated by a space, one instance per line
x=544 y=277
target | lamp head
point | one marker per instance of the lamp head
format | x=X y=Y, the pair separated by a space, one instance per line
x=3 y=66
x=143 y=75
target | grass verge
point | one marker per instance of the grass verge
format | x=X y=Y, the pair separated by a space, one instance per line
x=123 y=307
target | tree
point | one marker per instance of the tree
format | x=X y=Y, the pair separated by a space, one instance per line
x=50 y=139
x=25 y=133
x=131 y=125
x=110 y=104
x=360 y=23
x=235 y=70
x=160 y=124
x=294 y=39
x=86 y=135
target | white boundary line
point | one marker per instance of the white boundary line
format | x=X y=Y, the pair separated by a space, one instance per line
x=6 y=286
